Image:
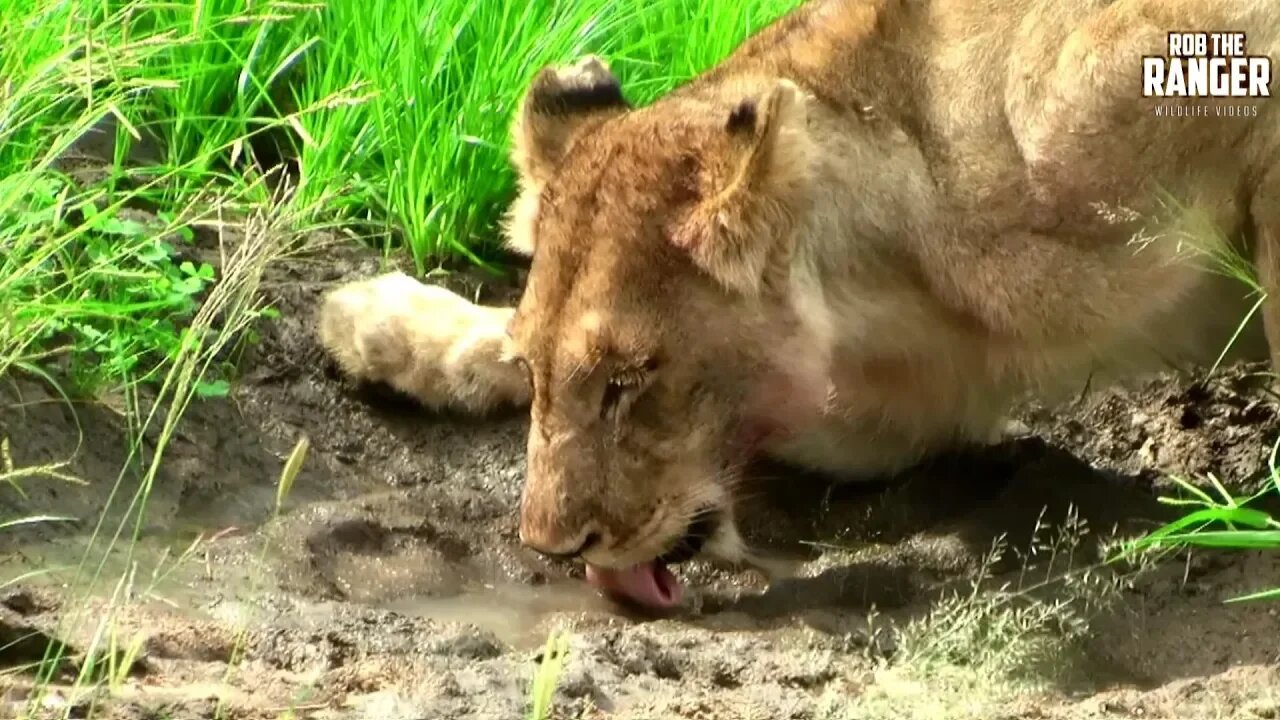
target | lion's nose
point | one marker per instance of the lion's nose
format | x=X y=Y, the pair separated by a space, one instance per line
x=553 y=541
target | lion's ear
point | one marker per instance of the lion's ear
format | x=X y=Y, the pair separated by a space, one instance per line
x=743 y=235
x=559 y=101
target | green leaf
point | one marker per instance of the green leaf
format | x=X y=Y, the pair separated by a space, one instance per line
x=187 y=287
x=213 y=389
x=35 y=520
x=116 y=226
x=1273 y=594
x=151 y=255
x=1243 y=539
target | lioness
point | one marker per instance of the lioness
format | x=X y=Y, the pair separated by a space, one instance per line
x=855 y=241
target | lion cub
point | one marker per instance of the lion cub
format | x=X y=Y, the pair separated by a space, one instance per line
x=423 y=340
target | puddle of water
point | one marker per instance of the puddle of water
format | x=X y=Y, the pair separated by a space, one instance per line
x=517 y=614
x=513 y=612
x=153 y=567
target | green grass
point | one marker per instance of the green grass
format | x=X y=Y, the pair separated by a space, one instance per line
x=1216 y=518
x=422 y=153
x=396 y=113
x=92 y=291
x=1219 y=521
x=551 y=664
x=109 y=295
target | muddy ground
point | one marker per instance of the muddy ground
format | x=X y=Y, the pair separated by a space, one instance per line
x=392 y=586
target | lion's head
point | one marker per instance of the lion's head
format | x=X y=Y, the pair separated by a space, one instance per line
x=659 y=323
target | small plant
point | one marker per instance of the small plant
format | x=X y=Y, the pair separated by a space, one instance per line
x=118 y=294
x=1011 y=629
x=1224 y=521
x=994 y=638
x=1221 y=522
x=284 y=485
x=120 y=658
x=551 y=665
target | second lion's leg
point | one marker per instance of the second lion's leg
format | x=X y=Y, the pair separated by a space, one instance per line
x=424 y=341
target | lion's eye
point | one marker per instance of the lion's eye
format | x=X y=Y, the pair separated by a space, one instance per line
x=623 y=387
x=614 y=392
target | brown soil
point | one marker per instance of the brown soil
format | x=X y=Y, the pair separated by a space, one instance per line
x=392 y=585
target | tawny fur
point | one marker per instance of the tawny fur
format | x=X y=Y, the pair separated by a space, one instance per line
x=422 y=340
x=882 y=221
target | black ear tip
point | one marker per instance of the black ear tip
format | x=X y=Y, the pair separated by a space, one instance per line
x=743 y=117
x=581 y=98
x=584 y=87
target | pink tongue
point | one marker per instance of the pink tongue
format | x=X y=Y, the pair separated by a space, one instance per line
x=649 y=584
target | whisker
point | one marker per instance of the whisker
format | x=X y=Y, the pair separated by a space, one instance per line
x=581 y=369
x=746 y=497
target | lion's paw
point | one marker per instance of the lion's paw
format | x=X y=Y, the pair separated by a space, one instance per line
x=422 y=340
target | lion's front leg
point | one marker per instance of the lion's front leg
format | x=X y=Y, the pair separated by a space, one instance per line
x=423 y=340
